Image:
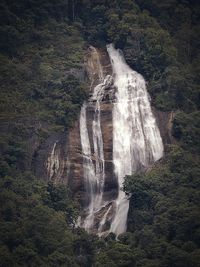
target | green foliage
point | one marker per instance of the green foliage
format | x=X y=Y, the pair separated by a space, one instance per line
x=186 y=129
x=164 y=210
x=159 y=40
x=115 y=255
x=36 y=221
x=38 y=51
x=13 y=152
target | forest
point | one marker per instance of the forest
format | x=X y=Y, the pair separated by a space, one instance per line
x=41 y=57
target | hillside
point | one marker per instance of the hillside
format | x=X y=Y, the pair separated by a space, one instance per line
x=43 y=86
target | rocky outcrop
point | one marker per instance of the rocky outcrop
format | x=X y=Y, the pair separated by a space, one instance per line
x=164 y=121
x=60 y=158
x=49 y=158
x=97 y=66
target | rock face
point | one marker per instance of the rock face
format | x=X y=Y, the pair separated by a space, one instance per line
x=97 y=66
x=60 y=158
x=50 y=157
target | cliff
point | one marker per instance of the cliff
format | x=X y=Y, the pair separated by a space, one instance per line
x=60 y=158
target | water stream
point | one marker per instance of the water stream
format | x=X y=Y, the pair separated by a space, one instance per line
x=136 y=138
x=136 y=143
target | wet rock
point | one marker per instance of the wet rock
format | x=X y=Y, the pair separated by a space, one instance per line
x=60 y=157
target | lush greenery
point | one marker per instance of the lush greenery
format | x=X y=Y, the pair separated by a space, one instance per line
x=37 y=221
x=41 y=55
x=164 y=211
x=160 y=40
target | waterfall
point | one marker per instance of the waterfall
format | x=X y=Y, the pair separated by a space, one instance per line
x=94 y=174
x=136 y=138
x=88 y=168
x=53 y=163
x=136 y=144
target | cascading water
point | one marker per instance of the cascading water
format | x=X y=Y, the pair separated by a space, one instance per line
x=88 y=168
x=136 y=144
x=136 y=138
x=53 y=162
x=94 y=175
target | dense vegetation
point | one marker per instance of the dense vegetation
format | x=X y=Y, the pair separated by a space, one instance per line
x=164 y=211
x=41 y=55
x=37 y=225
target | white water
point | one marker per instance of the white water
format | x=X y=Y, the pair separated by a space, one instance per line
x=88 y=168
x=136 y=138
x=53 y=162
x=94 y=174
x=95 y=66
x=136 y=143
